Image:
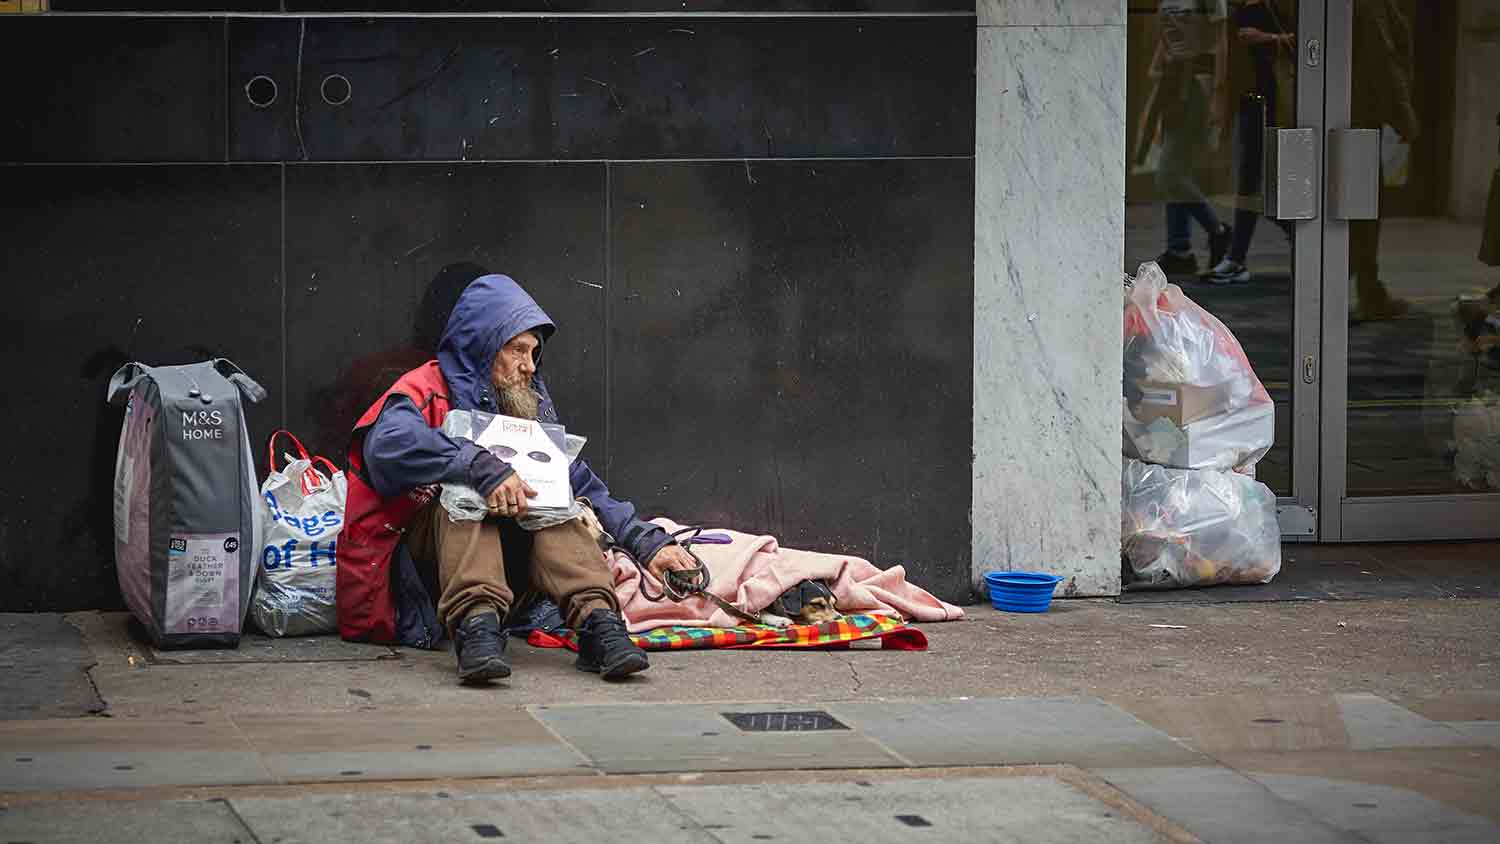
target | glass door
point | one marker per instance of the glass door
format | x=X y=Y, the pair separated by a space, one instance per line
x=1209 y=84
x=1411 y=271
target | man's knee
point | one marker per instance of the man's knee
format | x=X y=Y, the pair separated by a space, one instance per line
x=581 y=536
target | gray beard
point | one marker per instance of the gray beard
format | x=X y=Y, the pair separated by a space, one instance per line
x=521 y=401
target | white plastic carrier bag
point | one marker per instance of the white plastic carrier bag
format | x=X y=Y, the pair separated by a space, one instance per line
x=185 y=505
x=305 y=513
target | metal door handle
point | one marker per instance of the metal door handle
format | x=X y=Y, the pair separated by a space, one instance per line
x=1291 y=174
x=1354 y=174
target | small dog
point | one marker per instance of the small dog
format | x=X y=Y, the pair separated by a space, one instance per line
x=809 y=602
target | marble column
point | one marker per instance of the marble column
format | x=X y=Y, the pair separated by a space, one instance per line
x=1049 y=205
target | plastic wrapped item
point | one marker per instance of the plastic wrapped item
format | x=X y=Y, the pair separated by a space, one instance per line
x=1476 y=443
x=1192 y=401
x=1196 y=527
x=186 y=509
x=465 y=504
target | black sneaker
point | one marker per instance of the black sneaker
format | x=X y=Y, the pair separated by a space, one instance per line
x=604 y=647
x=1218 y=244
x=480 y=647
x=1173 y=264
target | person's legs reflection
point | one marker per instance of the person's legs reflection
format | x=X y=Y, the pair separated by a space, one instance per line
x=1373 y=302
x=1184 y=131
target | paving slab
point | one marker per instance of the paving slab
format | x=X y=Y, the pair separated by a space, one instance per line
x=406 y=744
x=1020 y=809
x=1017 y=731
x=70 y=770
x=1466 y=778
x=78 y=753
x=1381 y=813
x=697 y=737
x=255 y=648
x=554 y=817
x=198 y=731
x=375 y=765
x=1246 y=722
x=1261 y=722
x=1479 y=732
x=201 y=822
x=1458 y=706
x=1377 y=724
x=1224 y=806
x=45 y=663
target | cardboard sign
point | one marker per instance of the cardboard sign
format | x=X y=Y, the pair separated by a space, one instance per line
x=527 y=447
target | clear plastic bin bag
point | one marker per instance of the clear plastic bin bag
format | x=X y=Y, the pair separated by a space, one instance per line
x=1476 y=443
x=1196 y=527
x=1192 y=400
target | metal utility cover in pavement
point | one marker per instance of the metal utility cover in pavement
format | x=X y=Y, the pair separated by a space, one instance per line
x=784 y=722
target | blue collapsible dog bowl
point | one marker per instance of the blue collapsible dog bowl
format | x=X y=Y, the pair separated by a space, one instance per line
x=1021 y=591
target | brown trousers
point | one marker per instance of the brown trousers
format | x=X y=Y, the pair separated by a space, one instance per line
x=486 y=565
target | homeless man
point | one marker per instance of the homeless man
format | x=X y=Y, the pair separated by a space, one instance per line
x=398 y=537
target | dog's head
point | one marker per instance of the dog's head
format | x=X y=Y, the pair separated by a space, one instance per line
x=817 y=611
x=809 y=602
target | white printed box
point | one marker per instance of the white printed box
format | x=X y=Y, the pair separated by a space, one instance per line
x=528 y=449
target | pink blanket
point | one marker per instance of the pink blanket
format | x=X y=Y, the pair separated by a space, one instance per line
x=752 y=571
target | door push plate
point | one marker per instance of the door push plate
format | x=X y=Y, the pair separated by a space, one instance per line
x=1292 y=174
x=1354 y=174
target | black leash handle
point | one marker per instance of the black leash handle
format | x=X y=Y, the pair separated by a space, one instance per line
x=677 y=585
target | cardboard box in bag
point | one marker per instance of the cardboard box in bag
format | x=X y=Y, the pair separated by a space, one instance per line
x=1194 y=427
x=1181 y=403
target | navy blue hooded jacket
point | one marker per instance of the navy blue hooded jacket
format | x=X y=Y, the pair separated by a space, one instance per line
x=401 y=451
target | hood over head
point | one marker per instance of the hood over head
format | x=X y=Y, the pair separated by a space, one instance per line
x=490 y=313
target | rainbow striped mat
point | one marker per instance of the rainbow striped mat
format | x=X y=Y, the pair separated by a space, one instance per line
x=891 y=633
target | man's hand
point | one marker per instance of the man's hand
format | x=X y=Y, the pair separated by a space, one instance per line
x=668 y=558
x=1252 y=35
x=509 y=498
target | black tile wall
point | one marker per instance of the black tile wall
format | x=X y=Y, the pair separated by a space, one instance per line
x=776 y=345
x=364 y=242
x=261 y=90
x=791 y=353
x=458 y=89
x=433 y=6
x=685 y=7
x=111 y=89
x=161 y=264
x=165 y=5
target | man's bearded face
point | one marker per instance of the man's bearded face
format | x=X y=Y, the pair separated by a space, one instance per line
x=521 y=402
x=511 y=375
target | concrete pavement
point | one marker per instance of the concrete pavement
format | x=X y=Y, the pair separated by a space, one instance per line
x=1353 y=721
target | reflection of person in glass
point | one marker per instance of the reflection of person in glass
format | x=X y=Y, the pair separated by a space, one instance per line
x=1262 y=61
x=1189 y=65
x=1382 y=96
x=1489 y=244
